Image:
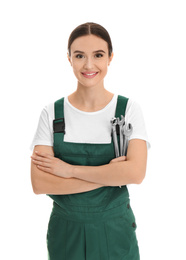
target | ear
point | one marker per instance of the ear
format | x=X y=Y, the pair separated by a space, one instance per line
x=69 y=58
x=110 y=58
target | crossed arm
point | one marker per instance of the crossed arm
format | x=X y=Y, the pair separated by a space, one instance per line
x=50 y=175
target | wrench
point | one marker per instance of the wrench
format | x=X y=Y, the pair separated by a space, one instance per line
x=114 y=122
x=127 y=131
x=121 y=124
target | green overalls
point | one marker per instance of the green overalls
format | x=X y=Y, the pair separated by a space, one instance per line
x=94 y=225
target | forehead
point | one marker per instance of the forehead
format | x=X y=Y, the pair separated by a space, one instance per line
x=89 y=43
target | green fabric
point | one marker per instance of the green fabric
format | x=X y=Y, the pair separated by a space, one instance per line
x=98 y=224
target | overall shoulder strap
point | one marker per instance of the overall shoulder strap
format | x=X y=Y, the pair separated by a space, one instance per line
x=121 y=106
x=59 y=108
x=59 y=121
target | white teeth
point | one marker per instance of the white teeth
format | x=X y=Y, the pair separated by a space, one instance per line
x=90 y=74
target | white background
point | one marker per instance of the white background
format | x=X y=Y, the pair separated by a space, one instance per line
x=149 y=39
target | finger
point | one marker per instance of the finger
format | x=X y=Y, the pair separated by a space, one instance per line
x=43 y=164
x=46 y=155
x=40 y=158
x=44 y=169
x=119 y=159
x=122 y=158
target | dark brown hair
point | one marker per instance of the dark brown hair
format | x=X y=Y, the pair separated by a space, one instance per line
x=87 y=29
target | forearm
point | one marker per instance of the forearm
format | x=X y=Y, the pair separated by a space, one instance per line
x=45 y=183
x=118 y=173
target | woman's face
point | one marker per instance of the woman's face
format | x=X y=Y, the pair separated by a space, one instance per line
x=90 y=60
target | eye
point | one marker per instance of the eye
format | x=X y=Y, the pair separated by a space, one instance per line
x=79 y=56
x=99 y=55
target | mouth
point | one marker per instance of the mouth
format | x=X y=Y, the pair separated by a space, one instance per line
x=89 y=75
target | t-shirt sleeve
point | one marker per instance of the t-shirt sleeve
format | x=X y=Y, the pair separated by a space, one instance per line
x=43 y=135
x=134 y=116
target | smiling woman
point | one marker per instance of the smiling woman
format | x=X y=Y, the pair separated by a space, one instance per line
x=90 y=60
x=74 y=163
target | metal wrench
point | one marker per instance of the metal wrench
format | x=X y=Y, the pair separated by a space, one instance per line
x=114 y=121
x=127 y=131
x=121 y=125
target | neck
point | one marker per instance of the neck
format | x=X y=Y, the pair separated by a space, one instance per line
x=90 y=98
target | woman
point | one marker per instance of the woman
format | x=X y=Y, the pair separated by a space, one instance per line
x=73 y=159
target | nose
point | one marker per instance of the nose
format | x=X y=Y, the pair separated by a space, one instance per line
x=88 y=63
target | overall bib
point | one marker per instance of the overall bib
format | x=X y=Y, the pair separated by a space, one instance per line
x=94 y=225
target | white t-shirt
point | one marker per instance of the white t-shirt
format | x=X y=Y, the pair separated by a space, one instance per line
x=89 y=127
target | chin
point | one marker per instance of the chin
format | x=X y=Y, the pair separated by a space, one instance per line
x=90 y=84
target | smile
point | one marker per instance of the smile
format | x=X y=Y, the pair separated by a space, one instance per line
x=89 y=75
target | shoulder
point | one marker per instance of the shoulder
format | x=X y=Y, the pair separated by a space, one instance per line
x=134 y=111
x=132 y=105
x=48 y=111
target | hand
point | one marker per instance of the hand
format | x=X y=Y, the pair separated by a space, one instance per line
x=119 y=159
x=50 y=164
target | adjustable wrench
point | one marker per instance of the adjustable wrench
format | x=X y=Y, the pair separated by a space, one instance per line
x=127 y=131
x=114 y=121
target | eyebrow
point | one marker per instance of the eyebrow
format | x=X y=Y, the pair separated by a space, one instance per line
x=93 y=51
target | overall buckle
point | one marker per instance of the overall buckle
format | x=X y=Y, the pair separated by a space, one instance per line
x=59 y=125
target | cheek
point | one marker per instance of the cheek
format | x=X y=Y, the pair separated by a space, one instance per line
x=103 y=65
x=76 y=66
x=75 y=72
x=103 y=68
